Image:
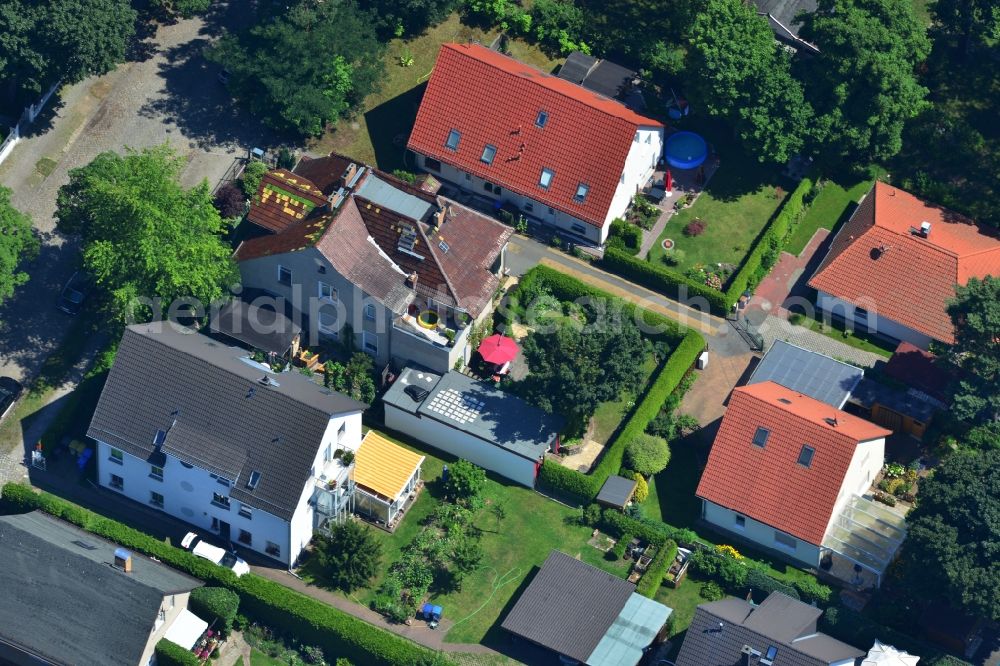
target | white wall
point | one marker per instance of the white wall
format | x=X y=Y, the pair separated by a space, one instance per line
x=759 y=533
x=865 y=465
x=172 y=605
x=539 y=211
x=462 y=445
x=639 y=167
x=187 y=494
x=876 y=324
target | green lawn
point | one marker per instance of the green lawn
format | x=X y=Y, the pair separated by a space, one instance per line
x=684 y=600
x=830 y=209
x=378 y=135
x=534 y=526
x=258 y=658
x=737 y=202
x=609 y=415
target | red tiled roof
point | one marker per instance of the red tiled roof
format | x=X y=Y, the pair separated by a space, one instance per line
x=879 y=264
x=767 y=484
x=920 y=369
x=493 y=99
x=324 y=172
x=283 y=198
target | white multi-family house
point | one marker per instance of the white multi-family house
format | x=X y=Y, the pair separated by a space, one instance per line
x=554 y=150
x=198 y=430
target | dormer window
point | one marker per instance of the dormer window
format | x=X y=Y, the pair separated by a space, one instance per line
x=760 y=437
x=546 y=178
x=489 y=152
x=541 y=119
x=453 y=138
x=581 y=192
x=806 y=455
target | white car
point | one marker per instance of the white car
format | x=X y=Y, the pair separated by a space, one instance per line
x=220 y=556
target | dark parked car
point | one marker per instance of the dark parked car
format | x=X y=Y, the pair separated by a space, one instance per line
x=74 y=293
x=10 y=391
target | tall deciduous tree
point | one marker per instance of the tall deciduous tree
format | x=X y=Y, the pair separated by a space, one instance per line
x=952 y=548
x=975 y=313
x=395 y=18
x=975 y=22
x=305 y=68
x=44 y=42
x=863 y=84
x=143 y=234
x=742 y=75
x=17 y=243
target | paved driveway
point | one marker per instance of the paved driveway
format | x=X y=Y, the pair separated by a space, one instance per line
x=171 y=96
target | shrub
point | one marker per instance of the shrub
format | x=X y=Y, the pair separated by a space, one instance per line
x=711 y=591
x=728 y=551
x=888 y=500
x=674 y=257
x=171 y=654
x=650 y=582
x=758 y=581
x=591 y=514
x=465 y=481
x=216 y=605
x=629 y=235
x=617 y=552
x=253 y=173
x=349 y=555
x=230 y=201
x=661 y=279
x=617 y=523
x=647 y=454
x=811 y=590
x=641 y=488
x=286 y=158
x=695 y=227
x=311 y=621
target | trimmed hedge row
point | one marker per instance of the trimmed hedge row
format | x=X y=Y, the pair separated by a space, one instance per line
x=661 y=279
x=216 y=605
x=769 y=244
x=586 y=486
x=758 y=581
x=567 y=288
x=650 y=582
x=171 y=654
x=617 y=524
x=628 y=235
x=312 y=622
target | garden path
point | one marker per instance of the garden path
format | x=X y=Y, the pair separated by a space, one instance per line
x=685 y=182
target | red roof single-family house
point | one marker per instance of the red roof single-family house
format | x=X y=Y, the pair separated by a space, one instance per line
x=788 y=472
x=894 y=265
x=532 y=141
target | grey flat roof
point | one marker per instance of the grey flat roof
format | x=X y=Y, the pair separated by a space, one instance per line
x=260 y=328
x=217 y=414
x=477 y=408
x=65 y=601
x=821 y=377
x=908 y=403
x=617 y=491
x=569 y=606
x=380 y=192
x=721 y=629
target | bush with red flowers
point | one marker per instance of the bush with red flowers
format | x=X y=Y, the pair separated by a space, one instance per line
x=695 y=227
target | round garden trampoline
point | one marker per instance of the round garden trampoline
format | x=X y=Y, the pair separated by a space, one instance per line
x=685 y=150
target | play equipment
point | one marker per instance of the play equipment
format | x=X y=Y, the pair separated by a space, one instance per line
x=685 y=150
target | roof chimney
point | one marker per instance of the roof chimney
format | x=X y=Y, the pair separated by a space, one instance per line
x=925 y=228
x=123 y=560
x=411 y=280
x=440 y=217
x=349 y=173
x=334 y=200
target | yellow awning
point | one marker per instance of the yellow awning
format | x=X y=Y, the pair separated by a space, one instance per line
x=383 y=467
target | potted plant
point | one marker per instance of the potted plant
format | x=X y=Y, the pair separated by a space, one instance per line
x=347 y=458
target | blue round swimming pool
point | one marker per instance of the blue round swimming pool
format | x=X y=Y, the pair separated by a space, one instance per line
x=685 y=150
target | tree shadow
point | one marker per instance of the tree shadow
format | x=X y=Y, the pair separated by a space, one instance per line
x=676 y=485
x=45 y=119
x=389 y=126
x=200 y=105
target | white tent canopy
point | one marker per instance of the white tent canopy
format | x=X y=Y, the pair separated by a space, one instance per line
x=186 y=629
x=886 y=655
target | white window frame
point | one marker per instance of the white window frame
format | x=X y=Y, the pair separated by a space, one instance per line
x=153 y=474
x=370 y=311
x=323 y=328
x=740 y=522
x=117 y=456
x=546 y=177
x=489 y=154
x=246 y=511
x=331 y=294
x=448 y=140
x=542 y=119
x=284 y=269
x=120 y=486
x=153 y=501
x=369 y=338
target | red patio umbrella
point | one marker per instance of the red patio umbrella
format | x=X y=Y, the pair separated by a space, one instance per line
x=498 y=349
x=670 y=182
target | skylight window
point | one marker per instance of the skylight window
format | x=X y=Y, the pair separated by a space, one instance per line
x=581 y=192
x=453 y=138
x=806 y=455
x=541 y=119
x=489 y=152
x=159 y=438
x=254 y=479
x=546 y=178
x=769 y=656
x=444 y=246
x=760 y=437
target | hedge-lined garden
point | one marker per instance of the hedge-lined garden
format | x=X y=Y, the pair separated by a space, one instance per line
x=755 y=266
x=310 y=621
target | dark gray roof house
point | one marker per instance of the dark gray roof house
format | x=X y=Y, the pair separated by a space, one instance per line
x=603 y=77
x=65 y=601
x=779 y=632
x=472 y=420
x=586 y=614
x=174 y=391
x=782 y=16
x=815 y=375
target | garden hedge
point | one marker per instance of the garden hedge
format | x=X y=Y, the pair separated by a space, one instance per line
x=629 y=235
x=283 y=609
x=216 y=605
x=761 y=583
x=568 y=288
x=586 y=486
x=769 y=244
x=616 y=523
x=661 y=279
x=650 y=582
x=172 y=654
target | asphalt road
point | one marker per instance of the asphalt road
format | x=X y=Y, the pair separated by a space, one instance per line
x=168 y=94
